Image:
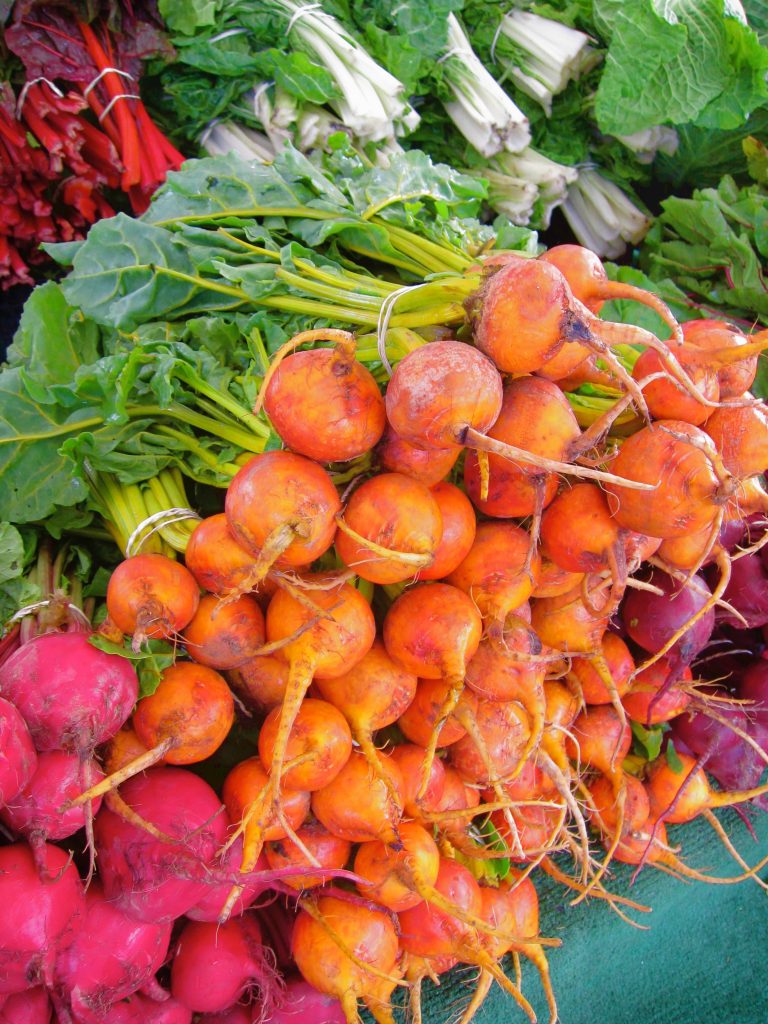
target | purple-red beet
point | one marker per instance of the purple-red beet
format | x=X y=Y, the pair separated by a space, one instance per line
x=71 y=695
x=747 y=591
x=149 y=878
x=39 y=918
x=112 y=957
x=652 y=619
x=19 y=758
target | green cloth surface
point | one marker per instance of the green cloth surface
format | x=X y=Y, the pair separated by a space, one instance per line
x=702 y=961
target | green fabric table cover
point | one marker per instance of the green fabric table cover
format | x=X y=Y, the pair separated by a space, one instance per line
x=702 y=961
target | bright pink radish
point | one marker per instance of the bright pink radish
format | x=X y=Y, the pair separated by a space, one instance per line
x=112 y=956
x=300 y=1003
x=19 y=759
x=36 y=812
x=71 y=695
x=323 y=403
x=145 y=875
x=142 y=1009
x=215 y=964
x=40 y=918
x=237 y=1014
x=31 y=1007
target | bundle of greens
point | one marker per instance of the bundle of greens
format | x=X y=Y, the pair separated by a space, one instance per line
x=131 y=383
x=592 y=83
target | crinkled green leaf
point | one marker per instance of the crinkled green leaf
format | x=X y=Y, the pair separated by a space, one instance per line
x=678 y=62
x=34 y=479
x=647 y=741
x=129 y=271
x=228 y=187
x=52 y=340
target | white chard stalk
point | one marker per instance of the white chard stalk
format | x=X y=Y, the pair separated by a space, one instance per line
x=223 y=137
x=601 y=216
x=481 y=110
x=526 y=186
x=549 y=55
x=372 y=103
x=647 y=143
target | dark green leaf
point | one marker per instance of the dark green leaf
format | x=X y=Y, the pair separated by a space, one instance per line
x=129 y=272
x=52 y=340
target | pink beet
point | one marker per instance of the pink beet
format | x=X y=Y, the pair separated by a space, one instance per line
x=71 y=695
x=19 y=758
x=35 y=811
x=111 y=957
x=39 y=917
x=216 y=964
x=146 y=877
x=300 y=1003
x=210 y=906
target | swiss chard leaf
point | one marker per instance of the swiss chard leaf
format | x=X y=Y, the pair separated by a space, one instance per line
x=52 y=340
x=34 y=479
x=129 y=272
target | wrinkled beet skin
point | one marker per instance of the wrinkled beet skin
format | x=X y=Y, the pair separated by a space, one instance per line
x=35 y=810
x=111 y=957
x=19 y=759
x=39 y=919
x=146 y=878
x=72 y=695
x=140 y=1009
